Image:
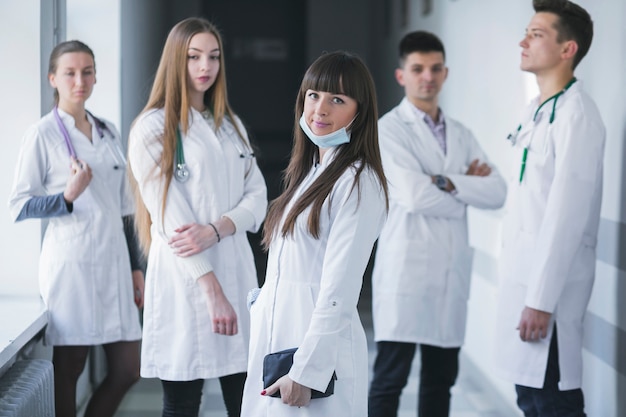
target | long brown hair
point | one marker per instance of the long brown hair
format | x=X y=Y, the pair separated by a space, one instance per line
x=170 y=92
x=340 y=73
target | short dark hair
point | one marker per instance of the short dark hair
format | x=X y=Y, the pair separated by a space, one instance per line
x=574 y=23
x=420 y=41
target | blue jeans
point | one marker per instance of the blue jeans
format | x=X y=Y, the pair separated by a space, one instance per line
x=182 y=398
x=440 y=367
x=549 y=401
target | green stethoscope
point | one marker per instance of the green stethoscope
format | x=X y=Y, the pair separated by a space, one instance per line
x=181 y=172
x=513 y=136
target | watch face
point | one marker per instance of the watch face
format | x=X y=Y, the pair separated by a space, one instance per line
x=440 y=182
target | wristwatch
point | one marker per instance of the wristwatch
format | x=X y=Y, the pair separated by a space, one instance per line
x=441 y=182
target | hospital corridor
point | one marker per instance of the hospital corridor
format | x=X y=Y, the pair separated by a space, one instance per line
x=266 y=48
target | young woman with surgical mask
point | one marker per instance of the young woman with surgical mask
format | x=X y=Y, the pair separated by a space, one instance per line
x=71 y=171
x=320 y=232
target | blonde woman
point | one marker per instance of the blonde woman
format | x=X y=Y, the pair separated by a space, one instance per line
x=199 y=190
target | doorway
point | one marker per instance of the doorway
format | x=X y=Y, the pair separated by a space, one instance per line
x=265 y=54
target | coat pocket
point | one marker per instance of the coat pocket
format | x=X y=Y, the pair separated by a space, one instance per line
x=406 y=266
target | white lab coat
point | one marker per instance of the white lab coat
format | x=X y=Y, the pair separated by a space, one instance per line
x=178 y=341
x=309 y=300
x=84 y=269
x=422 y=270
x=549 y=239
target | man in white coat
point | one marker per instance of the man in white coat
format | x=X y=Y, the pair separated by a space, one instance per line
x=422 y=269
x=547 y=263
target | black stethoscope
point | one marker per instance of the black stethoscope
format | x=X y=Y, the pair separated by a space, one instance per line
x=513 y=136
x=116 y=152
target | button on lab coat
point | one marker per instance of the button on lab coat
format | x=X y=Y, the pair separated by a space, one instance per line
x=178 y=341
x=84 y=269
x=422 y=270
x=309 y=301
x=549 y=241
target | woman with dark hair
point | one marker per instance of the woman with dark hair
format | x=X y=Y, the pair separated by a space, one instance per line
x=71 y=171
x=320 y=232
x=198 y=190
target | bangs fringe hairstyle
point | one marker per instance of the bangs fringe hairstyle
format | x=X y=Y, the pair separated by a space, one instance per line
x=170 y=92
x=339 y=73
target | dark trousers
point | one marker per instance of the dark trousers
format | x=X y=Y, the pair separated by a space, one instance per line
x=182 y=398
x=550 y=401
x=439 y=369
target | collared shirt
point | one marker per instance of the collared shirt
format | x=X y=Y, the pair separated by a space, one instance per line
x=438 y=128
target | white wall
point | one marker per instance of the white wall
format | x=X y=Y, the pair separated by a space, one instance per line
x=603 y=73
x=19 y=107
x=487 y=91
x=97 y=23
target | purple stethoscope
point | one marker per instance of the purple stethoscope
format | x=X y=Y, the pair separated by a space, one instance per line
x=116 y=152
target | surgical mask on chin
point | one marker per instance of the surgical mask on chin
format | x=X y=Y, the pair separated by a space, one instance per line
x=336 y=138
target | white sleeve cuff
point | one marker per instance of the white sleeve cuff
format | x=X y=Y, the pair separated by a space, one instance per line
x=197 y=265
x=242 y=218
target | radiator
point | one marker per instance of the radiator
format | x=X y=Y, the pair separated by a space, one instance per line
x=27 y=389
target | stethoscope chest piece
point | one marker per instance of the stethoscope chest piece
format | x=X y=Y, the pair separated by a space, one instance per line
x=181 y=173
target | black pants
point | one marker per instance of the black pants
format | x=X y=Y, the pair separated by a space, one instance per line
x=550 y=401
x=440 y=367
x=182 y=398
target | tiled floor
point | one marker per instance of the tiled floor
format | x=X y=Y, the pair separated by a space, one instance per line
x=469 y=397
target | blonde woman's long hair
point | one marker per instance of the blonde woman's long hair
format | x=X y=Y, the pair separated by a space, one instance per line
x=170 y=92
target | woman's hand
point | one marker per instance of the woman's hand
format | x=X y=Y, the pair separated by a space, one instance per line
x=80 y=177
x=191 y=239
x=138 y=287
x=291 y=392
x=223 y=315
